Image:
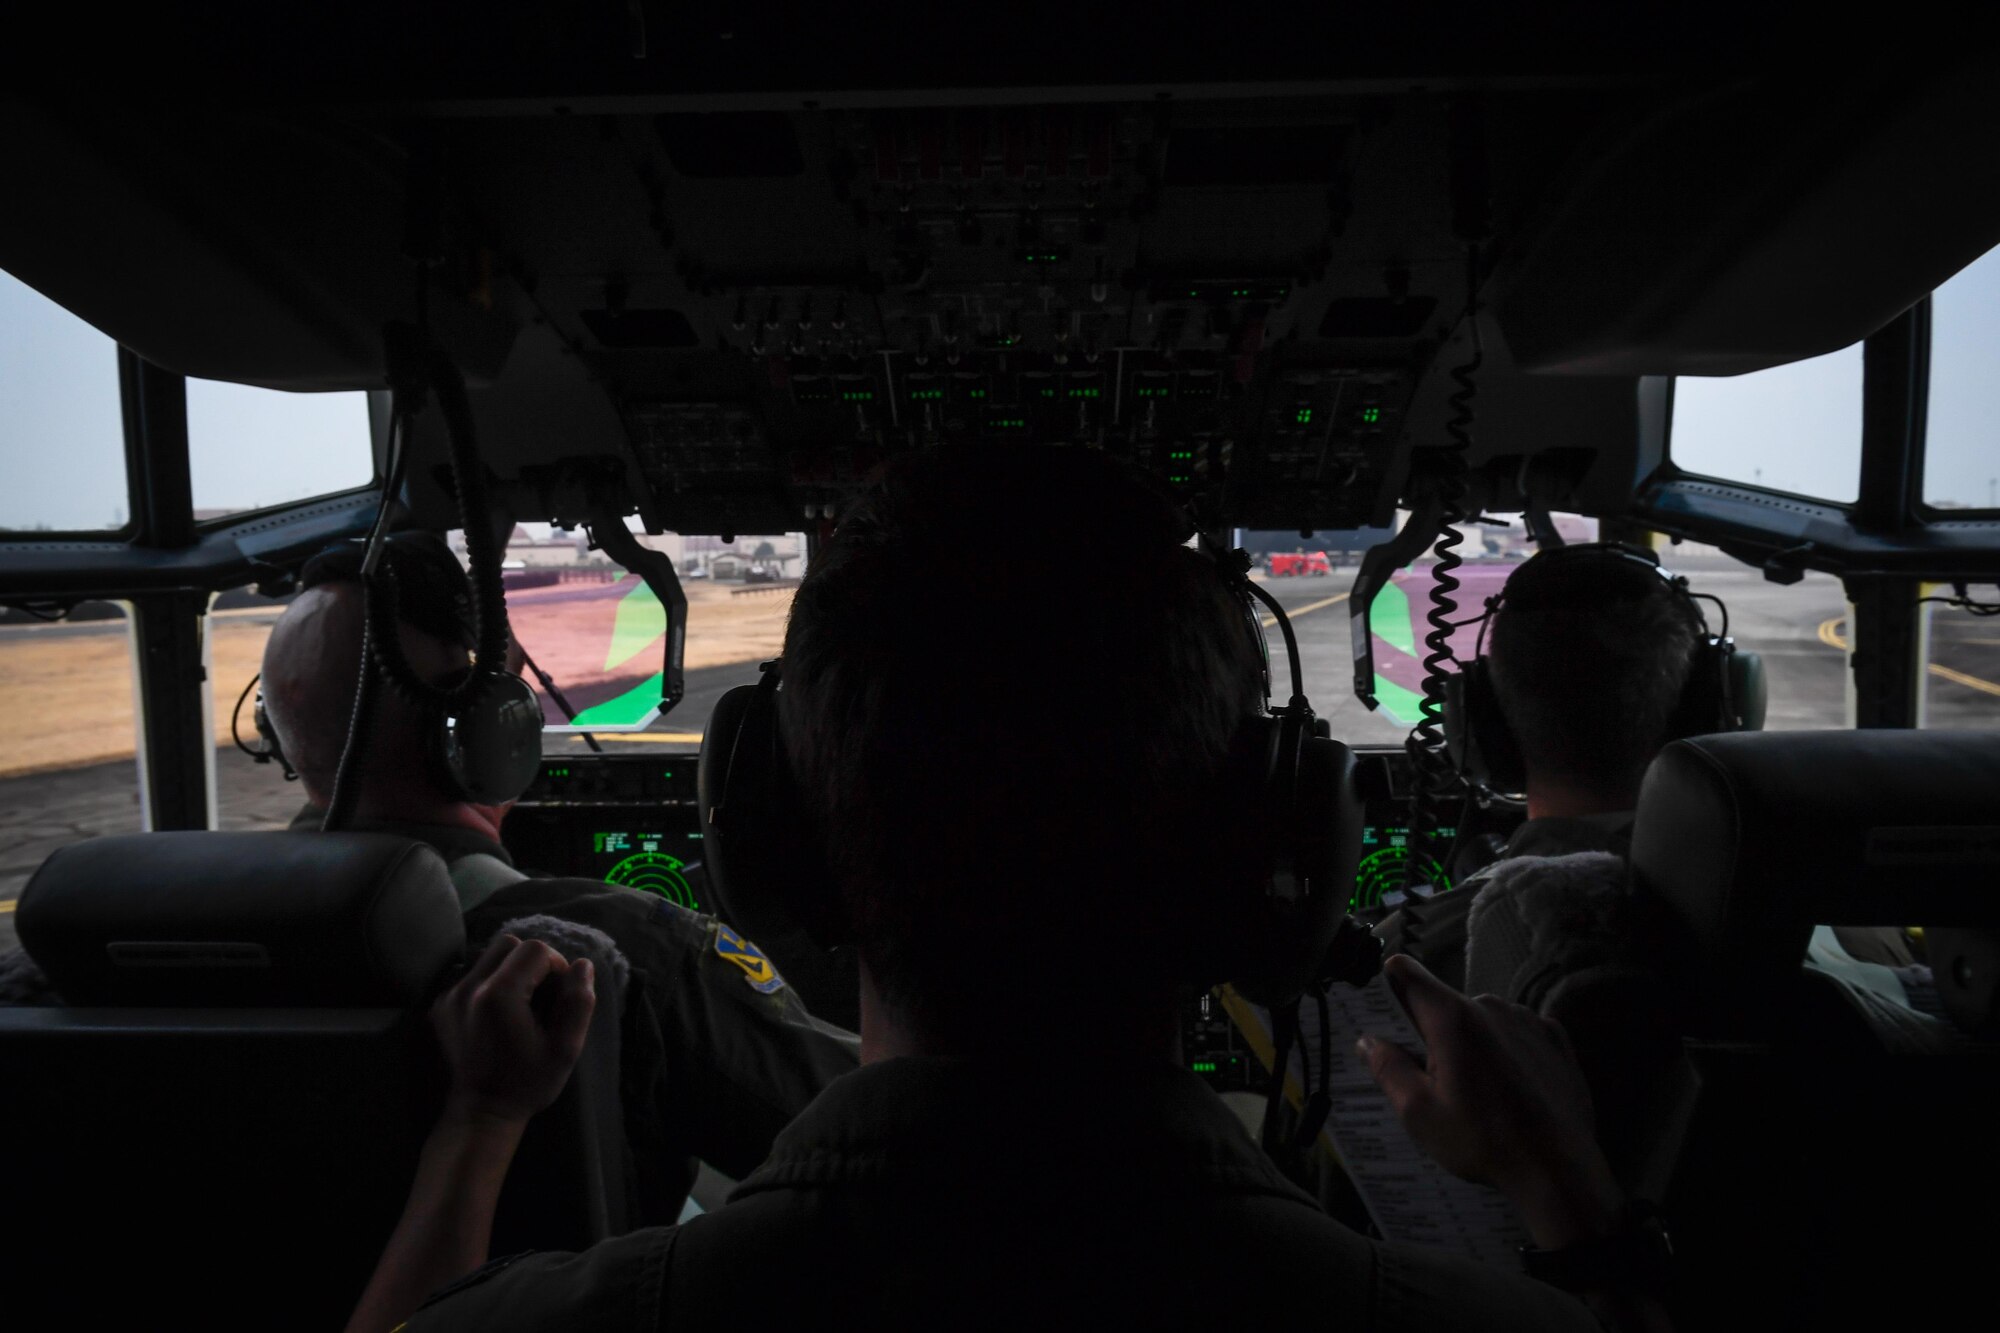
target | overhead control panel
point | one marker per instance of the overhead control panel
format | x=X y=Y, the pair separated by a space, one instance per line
x=792 y=297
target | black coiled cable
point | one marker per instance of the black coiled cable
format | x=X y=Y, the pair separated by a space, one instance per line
x=489 y=598
x=1429 y=760
x=417 y=368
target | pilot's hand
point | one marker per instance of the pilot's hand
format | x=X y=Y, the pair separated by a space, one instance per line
x=1501 y=1102
x=512 y=1029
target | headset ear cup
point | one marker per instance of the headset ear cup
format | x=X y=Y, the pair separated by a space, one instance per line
x=769 y=874
x=1314 y=811
x=1492 y=754
x=1458 y=742
x=1748 y=691
x=489 y=742
x=718 y=842
x=274 y=750
x=1704 y=708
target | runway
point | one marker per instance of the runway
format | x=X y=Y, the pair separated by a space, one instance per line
x=1799 y=629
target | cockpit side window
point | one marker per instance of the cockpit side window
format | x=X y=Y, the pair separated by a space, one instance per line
x=62 y=441
x=1962 y=421
x=1794 y=428
x=250 y=448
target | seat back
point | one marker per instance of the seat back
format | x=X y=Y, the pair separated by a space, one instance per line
x=224 y=1115
x=1802 y=1190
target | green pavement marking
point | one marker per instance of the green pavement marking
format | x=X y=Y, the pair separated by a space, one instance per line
x=1406 y=706
x=641 y=620
x=626 y=710
x=1391 y=617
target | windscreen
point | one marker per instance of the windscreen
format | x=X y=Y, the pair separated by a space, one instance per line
x=596 y=638
x=1312 y=576
x=596 y=634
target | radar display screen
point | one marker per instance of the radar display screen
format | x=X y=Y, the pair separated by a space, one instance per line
x=652 y=861
x=1385 y=852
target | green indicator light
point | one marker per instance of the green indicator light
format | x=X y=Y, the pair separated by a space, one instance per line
x=1371 y=414
x=1240 y=291
x=1194 y=293
x=927 y=395
x=859 y=395
x=1204 y=1066
x=1048 y=393
x=1305 y=415
x=1085 y=393
x=978 y=393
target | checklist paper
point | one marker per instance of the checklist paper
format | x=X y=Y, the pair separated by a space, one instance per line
x=1411 y=1198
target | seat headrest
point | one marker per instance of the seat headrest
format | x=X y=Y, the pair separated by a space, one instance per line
x=243 y=919
x=1752 y=839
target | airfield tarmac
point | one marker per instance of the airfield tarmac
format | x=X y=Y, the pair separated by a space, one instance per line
x=1800 y=630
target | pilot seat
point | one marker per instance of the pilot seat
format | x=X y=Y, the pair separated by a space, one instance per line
x=222 y=1120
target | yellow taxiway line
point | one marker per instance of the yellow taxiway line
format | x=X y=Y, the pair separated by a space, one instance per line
x=1832 y=638
x=1293 y=613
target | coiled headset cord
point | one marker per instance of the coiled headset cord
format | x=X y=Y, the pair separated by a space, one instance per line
x=1429 y=761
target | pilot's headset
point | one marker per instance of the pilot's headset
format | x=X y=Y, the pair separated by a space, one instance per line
x=1723 y=691
x=483 y=727
x=773 y=879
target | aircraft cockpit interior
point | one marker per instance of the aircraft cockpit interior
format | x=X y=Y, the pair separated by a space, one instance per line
x=571 y=341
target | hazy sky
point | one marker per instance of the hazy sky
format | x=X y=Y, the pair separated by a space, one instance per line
x=1796 y=428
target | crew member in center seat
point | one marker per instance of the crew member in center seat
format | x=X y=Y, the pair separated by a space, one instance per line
x=718 y=1053
x=1587 y=655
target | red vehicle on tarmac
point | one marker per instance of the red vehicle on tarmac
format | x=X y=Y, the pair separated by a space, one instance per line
x=1288 y=563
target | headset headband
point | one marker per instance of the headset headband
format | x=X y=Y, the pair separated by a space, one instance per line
x=432 y=590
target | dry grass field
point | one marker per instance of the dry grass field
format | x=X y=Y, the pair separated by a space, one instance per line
x=67 y=690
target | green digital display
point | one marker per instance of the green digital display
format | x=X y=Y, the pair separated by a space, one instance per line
x=638 y=860
x=1385 y=854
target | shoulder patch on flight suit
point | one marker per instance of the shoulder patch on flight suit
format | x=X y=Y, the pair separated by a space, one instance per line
x=757 y=969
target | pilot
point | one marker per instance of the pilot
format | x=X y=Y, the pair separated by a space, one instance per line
x=716 y=1059
x=1018 y=779
x=1587 y=652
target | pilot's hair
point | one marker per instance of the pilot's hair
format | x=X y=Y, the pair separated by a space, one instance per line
x=1010 y=695
x=1589 y=655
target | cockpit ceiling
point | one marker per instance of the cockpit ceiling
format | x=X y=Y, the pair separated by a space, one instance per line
x=618 y=260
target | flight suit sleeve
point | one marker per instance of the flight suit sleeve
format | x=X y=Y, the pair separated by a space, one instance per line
x=739 y=1054
x=613 y=1285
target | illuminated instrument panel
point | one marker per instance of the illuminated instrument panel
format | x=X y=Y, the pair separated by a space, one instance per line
x=634 y=820
x=630 y=820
